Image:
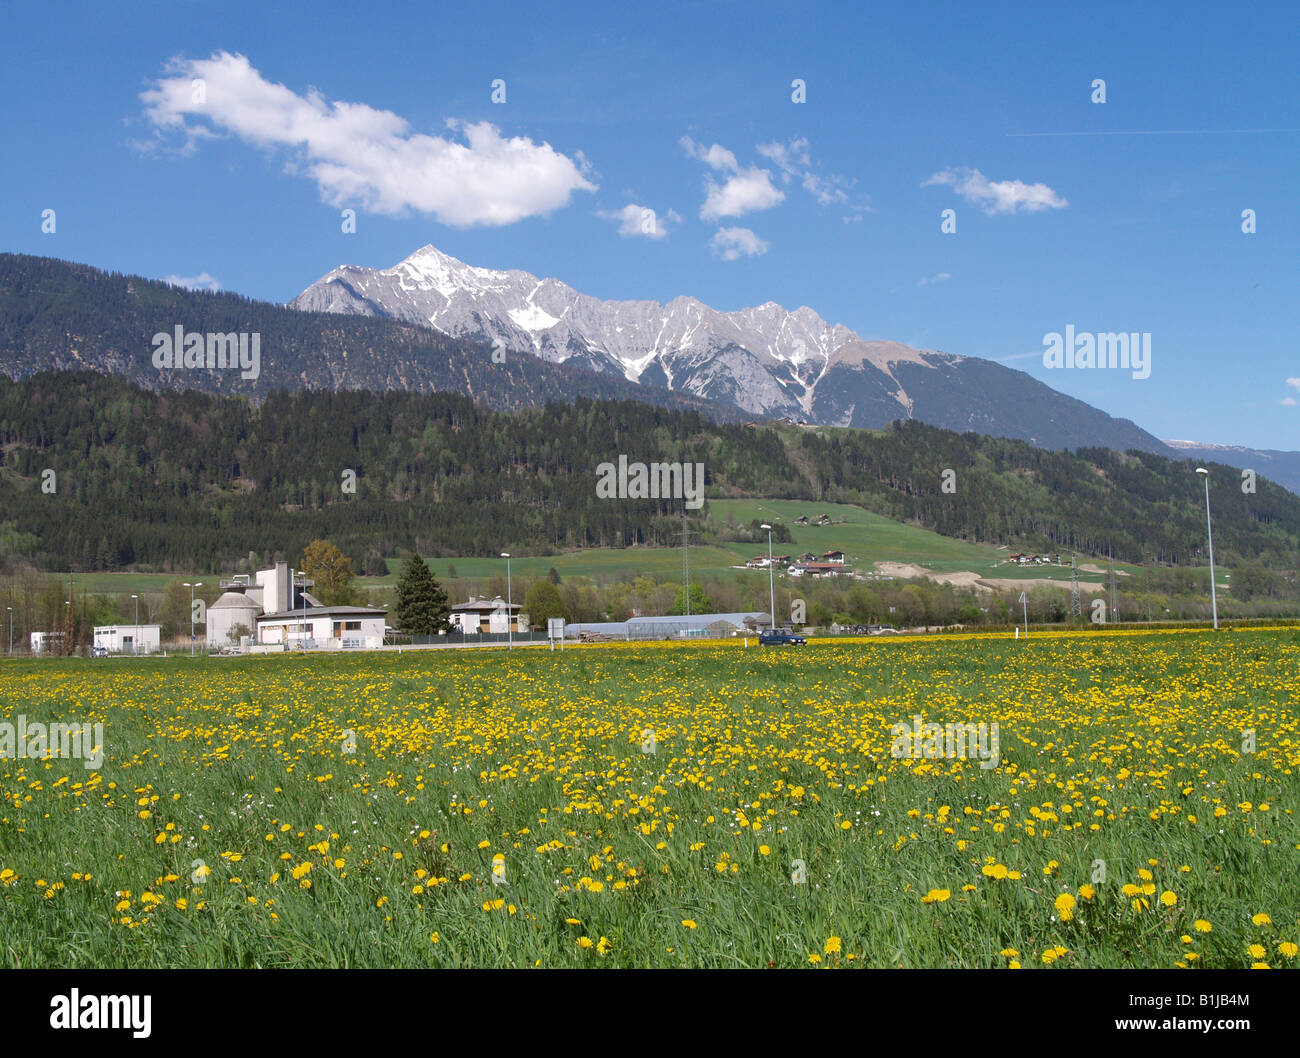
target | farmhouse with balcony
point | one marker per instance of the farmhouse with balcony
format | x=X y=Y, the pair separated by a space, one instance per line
x=483 y=616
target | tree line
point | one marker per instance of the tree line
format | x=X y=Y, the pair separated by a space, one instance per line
x=101 y=474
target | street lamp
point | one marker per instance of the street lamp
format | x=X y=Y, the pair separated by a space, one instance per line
x=135 y=643
x=303 y=574
x=771 y=582
x=11 y=628
x=510 y=633
x=1209 y=534
x=196 y=584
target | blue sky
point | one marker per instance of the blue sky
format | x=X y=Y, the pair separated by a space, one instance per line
x=1117 y=216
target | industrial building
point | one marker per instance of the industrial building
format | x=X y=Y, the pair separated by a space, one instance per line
x=129 y=639
x=273 y=608
x=694 y=626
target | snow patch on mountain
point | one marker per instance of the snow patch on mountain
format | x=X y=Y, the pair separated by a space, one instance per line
x=765 y=359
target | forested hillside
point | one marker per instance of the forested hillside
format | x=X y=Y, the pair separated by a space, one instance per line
x=99 y=473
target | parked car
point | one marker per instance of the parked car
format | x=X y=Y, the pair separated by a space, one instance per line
x=779 y=637
x=99 y=652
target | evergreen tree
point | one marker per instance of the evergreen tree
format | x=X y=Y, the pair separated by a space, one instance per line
x=422 y=606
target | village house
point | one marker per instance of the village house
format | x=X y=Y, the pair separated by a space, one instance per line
x=483 y=616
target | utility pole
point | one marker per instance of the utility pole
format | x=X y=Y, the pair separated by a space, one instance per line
x=1076 y=596
x=1209 y=535
x=1111 y=615
x=686 y=535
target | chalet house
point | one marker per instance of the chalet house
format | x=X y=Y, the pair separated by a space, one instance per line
x=835 y=558
x=801 y=520
x=807 y=556
x=824 y=519
x=486 y=616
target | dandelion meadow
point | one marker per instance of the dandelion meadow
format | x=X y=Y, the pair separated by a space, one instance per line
x=655 y=805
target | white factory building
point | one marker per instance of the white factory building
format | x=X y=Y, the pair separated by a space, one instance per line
x=274 y=609
x=324 y=628
x=129 y=639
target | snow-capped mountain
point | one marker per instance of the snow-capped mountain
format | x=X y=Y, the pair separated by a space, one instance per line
x=1282 y=467
x=767 y=360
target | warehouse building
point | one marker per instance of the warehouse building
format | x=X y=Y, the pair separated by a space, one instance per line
x=128 y=639
x=694 y=626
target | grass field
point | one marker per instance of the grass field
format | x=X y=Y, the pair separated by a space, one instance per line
x=346 y=811
x=865 y=538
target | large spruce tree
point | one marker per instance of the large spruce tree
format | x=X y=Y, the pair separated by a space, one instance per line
x=422 y=606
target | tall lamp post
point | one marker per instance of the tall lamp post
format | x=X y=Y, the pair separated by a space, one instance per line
x=135 y=643
x=299 y=573
x=1209 y=535
x=196 y=584
x=11 y=628
x=510 y=634
x=771 y=581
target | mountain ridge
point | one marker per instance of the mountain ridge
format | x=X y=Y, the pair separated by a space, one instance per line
x=769 y=361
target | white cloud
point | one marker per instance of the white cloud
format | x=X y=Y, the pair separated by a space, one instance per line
x=746 y=189
x=789 y=159
x=1294 y=383
x=202 y=281
x=716 y=157
x=636 y=220
x=1291 y=402
x=926 y=281
x=362 y=157
x=795 y=162
x=1001 y=196
x=733 y=243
